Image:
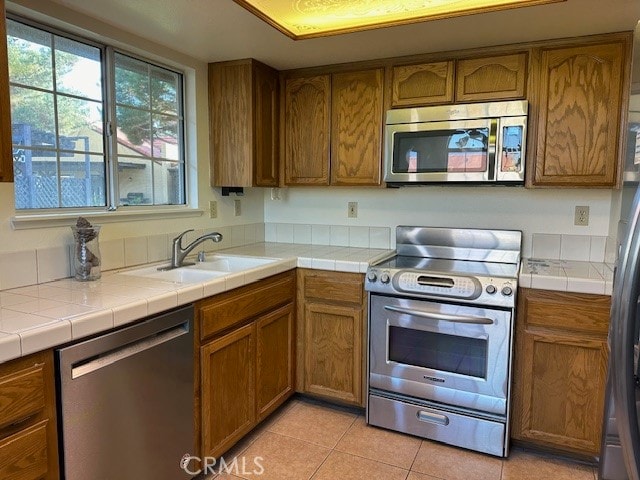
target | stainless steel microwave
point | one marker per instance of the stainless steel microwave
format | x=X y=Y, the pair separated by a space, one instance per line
x=470 y=143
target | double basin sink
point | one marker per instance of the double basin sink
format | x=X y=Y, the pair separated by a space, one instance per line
x=215 y=266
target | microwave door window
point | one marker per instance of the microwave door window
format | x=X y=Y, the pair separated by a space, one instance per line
x=441 y=151
x=420 y=152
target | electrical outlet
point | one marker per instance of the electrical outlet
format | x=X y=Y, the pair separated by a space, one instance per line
x=352 y=210
x=237 y=207
x=581 y=216
x=213 y=209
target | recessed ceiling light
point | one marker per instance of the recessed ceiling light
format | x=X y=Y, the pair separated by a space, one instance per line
x=316 y=18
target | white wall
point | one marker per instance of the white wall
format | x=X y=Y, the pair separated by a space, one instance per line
x=531 y=211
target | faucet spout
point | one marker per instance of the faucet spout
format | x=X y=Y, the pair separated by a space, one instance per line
x=179 y=252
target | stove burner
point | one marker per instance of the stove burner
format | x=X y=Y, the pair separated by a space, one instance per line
x=469 y=266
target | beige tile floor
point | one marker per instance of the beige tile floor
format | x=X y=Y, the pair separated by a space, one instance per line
x=306 y=440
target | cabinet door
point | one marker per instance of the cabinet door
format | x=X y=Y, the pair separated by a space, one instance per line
x=230 y=125
x=423 y=84
x=560 y=370
x=306 y=130
x=579 y=108
x=562 y=398
x=356 y=123
x=491 y=78
x=6 y=156
x=274 y=360
x=266 y=162
x=28 y=430
x=333 y=352
x=228 y=389
x=23 y=456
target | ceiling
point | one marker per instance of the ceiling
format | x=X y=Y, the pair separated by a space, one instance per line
x=215 y=30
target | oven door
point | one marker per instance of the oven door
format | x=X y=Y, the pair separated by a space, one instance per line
x=452 y=354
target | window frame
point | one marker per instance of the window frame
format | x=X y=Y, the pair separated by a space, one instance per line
x=113 y=211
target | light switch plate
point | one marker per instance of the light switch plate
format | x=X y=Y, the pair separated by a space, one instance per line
x=213 y=209
x=352 y=210
x=237 y=207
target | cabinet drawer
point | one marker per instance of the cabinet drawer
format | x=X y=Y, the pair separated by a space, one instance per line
x=571 y=311
x=333 y=286
x=23 y=456
x=21 y=395
x=244 y=303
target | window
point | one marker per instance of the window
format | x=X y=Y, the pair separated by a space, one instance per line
x=85 y=138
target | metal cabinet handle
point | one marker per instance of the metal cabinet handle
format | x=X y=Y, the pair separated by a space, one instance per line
x=431 y=417
x=470 y=319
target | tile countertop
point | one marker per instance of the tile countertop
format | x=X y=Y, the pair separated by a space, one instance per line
x=566 y=276
x=42 y=316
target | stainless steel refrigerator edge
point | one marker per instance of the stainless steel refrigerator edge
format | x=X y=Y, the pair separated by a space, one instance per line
x=620 y=455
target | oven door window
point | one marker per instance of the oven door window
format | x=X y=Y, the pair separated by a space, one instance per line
x=438 y=351
x=447 y=150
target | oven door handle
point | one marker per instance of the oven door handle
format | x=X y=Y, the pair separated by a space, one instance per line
x=441 y=316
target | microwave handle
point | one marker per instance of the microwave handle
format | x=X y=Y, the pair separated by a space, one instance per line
x=441 y=316
x=492 y=148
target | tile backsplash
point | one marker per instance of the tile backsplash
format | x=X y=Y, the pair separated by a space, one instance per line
x=42 y=265
x=29 y=267
x=334 y=235
x=570 y=247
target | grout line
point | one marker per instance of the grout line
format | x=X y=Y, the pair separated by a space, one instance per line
x=416 y=456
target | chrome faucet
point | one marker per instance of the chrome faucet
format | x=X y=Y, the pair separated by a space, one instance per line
x=178 y=253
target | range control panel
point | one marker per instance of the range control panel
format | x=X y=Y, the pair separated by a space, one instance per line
x=497 y=291
x=450 y=286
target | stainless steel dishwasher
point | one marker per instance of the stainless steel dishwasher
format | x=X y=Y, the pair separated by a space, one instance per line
x=126 y=401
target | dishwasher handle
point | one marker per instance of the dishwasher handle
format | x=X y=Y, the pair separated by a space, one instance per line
x=85 y=367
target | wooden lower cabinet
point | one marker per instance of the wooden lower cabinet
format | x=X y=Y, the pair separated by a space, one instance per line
x=28 y=433
x=274 y=360
x=559 y=380
x=229 y=389
x=246 y=359
x=330 y=335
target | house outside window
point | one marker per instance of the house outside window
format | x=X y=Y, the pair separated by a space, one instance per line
x=92 y=126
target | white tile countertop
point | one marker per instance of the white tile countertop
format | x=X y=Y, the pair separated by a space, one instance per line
x=566 y=276
x=42 y=316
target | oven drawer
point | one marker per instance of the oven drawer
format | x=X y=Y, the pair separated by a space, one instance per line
x=427 y=422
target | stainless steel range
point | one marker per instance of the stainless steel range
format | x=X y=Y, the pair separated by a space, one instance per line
x=441 y=316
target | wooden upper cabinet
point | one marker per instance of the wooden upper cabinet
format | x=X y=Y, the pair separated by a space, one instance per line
x=243 y=124
x=356 y=127
x=491 y=78
x=266 y=168
x=424 y=84
x=306 y=130
x=580 y=103
x=498 y=77
x=6 y=156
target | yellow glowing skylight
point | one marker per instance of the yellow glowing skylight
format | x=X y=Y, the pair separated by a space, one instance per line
x=314 y=18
